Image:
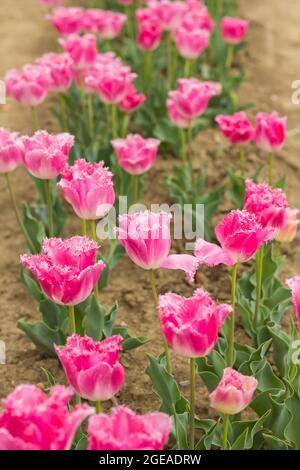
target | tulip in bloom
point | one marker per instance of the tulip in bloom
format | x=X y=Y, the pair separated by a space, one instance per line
x=168 y=14
x=45 y=156
x=267 y=204
x=132 y=100
x=31 y=420
x=234 y=393
x=289 y=230
x=240 y=235
x=191 y=43
x=270 y=131
x=236 y=128
x=29 y=86
x=66 y=270
x=136 y=155
x=104 y=23
x=294 y=285
x=93 y=368
x=60 y=70
x=149 y=35
x=233 y=30
x=191 y=325
x=146 y=238
x=124 y=430
x=82 y=49
x=89 y=189
x=196 y=16
x=11 y=150
x=67 y=20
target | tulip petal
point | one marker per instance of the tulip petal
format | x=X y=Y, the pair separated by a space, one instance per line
x=212 y=255
x=187 y=263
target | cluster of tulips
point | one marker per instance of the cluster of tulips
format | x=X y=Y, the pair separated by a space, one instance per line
x=68 y=271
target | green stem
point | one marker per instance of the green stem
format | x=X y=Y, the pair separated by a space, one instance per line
x=182 y=144
x=94 y=238
x=130 y=22
x=232 y=317
x=170 y=59
x=220 y=7
x=229 y=58
x=63 y=112
x=99 y=407
x=147 y=72
x=187 y=68
x=72 y=320
x=135 y=189
x=15 y=207
x=225 y=431
x=114 y=121
x=277 y=250
x=270 y=168
x=242 y=161
x=259 y=273
x=84 y=227
x=35 y=119
x=155 y=296
x=82 y=93
x=189 y=142
x=192 y=402
x=91 y=113
x=124 y=126
x=49 y=206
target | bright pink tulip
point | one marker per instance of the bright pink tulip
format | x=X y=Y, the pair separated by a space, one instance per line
x=149 y=35
x=29 y=86
x=132 y=101
x=60 y=71
x=93 y=368
x=240 y=235
x=31 y=420
x=191 y=325
x=146 y=238
x=11 y=150
x=45 y=156
x=270 y=132
x=234 y=393
x=82 y=49
x=294 y=285
x=236 y=128
x=197 y=16
x=66 y=271
x=233 y=30
x=136 y=155
x=89 y=189
x=191 y=43
x=168 y=13
x=289 y=230
x=175 y=116
x=67 y=20
x=268 y=204
x=106 y=24
x=124 y=430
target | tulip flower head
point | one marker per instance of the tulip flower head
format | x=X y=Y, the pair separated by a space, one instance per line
x=11 y=150
x=104 y=23
x=60 y=70
x=29 y=86
x=270 y=132
x=31 y=420
x=93 y=368
x=132 y=100
x=82 y=49
x=236 y=128
x=233 y=30
x=124 y=430
x=191 y=43
x=290 y=226
x=149 y=32
x=67 y=21
x=66 y=270
x=136 y=155
x=294 y=285
x=191 y=325
x=234 y=393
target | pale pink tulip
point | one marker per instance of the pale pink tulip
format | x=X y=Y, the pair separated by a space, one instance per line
x=233 y=30
x=191 y=43
x=191 y=325
x=234 y=392
x=11 y=150
x=136 y=155
x=236 y=128
x=82 y=49
x=289 y=230
x=294 y=285
x=60 y=70
x=106 y=24
x=67 y=20
x=270 y=132
x=29 y=86
x=196 y=16
x=168 y=14
x=124 y=430
x=32 y=420
x=67 y=271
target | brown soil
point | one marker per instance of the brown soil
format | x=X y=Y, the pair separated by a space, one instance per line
x=271 y=63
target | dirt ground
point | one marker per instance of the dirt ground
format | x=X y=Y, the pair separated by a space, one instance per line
x=272 y=64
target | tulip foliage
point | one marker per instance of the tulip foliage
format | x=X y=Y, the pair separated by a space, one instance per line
x=132 y=83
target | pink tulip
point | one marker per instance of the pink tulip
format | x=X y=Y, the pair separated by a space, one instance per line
x=191 y=43
x=136 y=155
x=146 y=238
x=175 y=116
x=124 y=430
x=233 y=30
x=89 y=189
x=268 y=204
x=92 y=368
x=270 y=131
x=132 y=100
x=197 y=16
x=11 y=150
x=191 y=325
x=149 y=35
x=45 y=156
x=67 y=20
x=289 y=230
x=66 y=270
x=240 y=235
x=29 y=86
x=60 y=70
x=31 y=420
x=236 y=128
x=234 y=393
x=106 y=24
x=168 y=14
x=82 y=49
x=294 y=285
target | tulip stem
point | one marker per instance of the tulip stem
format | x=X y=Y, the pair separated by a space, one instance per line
x=187 y=68
x=192 y=402
x=72 y=320
x=135 y=189
x=229 y=58
x=84 y=227
x=15 y=207
x=189 y=141
x=125 y=122
x=259 y=273
x=50 y=207
x=277 y=250
x=170 y=59
x=114 y=121
x=94 y=238
x=220 y=7
x=182 y=144
x=35 y=119
x=82 y=94
x=99 y=407
x=155 y=296
x=232 y=317
x=147 y=73
x=63 y=112
x=225 y=431
x=270 y=168
x=91 y=114
x=242 y=161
